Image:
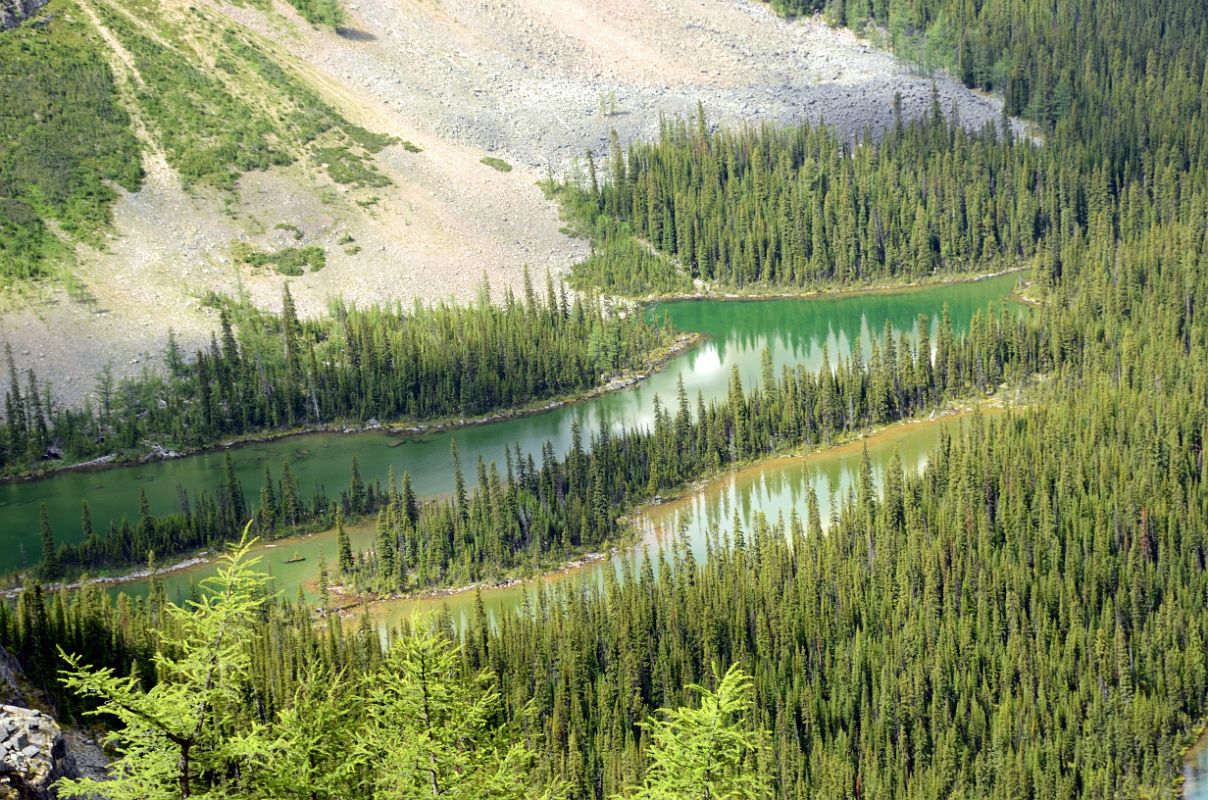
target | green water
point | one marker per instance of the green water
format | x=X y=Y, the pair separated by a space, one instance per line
x=777 y=489
x=795 y=332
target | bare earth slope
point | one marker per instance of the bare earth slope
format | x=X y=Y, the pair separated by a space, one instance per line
x=526 y=78
x=531 y=81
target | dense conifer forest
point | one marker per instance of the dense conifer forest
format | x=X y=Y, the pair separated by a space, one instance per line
x=802 y=208
x=1114 y=92
x=1025 y=618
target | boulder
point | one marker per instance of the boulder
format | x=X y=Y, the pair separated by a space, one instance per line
x=33 y=755
x=14 y=12
x=34 y=750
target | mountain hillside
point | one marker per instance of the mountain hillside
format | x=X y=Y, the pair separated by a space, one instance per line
x=158 y=150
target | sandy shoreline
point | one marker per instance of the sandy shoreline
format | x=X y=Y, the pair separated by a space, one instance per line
x=359 y=603
x=116 y=580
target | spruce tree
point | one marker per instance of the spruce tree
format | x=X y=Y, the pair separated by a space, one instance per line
x=51 y=568
x=343 y=544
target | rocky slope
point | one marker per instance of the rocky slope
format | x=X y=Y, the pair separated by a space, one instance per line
x=540 y=82
x=14 y=12
x=33 y=755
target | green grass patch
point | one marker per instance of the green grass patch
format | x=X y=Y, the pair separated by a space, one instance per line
x=209 y=135
x=329 y=13
x=212 y=96
x=292 y=261
x=372 y=142
x=348 y=168
x=497 y=163
x=342 y=148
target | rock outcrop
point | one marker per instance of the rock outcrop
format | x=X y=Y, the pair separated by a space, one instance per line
x=10 y=691
x=35 y=751
x=14 y=12
x=33 y=755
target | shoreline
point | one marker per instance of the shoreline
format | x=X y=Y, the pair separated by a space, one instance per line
x=955 y=410
x=195 y=560
x=683 y=342
x=758 y=294
x=360 y=603
x=1198 y=745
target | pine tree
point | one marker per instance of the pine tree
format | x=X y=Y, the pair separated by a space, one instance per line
x=291 y=502
x=268 y=512
x=429 y=732
x=357 y=496
x=171 y=736
x=51 y=568
x=324 y=585
x=343 y=544
x=459 y=483
x=234 y=489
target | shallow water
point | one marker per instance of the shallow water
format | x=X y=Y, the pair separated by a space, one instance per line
x=777 y=488
x=1195 y=771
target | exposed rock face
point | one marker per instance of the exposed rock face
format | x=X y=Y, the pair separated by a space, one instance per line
x=10 y=692
x=33 y=755
x=14 y=12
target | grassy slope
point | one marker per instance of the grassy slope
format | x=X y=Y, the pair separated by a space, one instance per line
x=212 y=97
x=64 y=140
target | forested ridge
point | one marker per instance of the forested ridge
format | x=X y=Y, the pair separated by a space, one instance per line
x=1116 y=92
x=1025 y=618
x=1122 y=78
x=802 y=208
x=266 y=372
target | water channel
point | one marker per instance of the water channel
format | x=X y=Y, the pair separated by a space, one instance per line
x=794 y=330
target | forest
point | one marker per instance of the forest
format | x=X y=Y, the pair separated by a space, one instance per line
x=267 y=372
x=801 y=208
x=1022 y=618
x=1114 y=93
